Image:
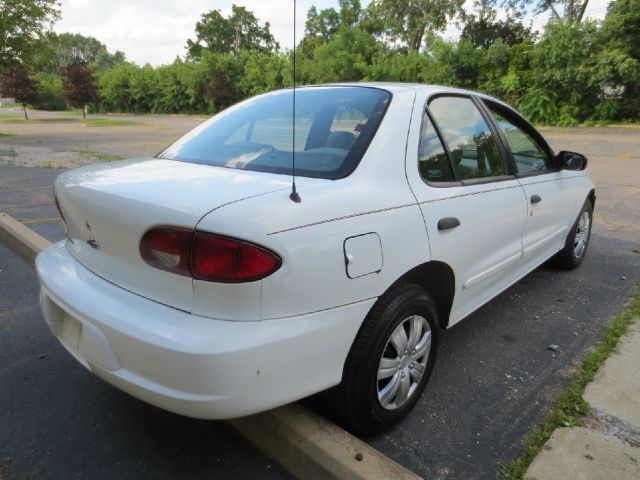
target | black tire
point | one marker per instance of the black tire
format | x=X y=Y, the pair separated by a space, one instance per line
x=569 y=258
x=355 y=401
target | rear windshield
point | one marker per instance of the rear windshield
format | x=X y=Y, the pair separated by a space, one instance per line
x=334 y=125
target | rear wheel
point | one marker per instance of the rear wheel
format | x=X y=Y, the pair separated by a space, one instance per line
x=390 y=360
x=577 y=242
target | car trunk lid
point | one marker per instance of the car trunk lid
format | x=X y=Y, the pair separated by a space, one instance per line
x=108 y=207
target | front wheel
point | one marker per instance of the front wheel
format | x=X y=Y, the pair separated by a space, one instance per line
x=577 y=242
x=390 y=360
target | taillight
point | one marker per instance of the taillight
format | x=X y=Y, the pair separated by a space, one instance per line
x=222 y=259
x=206 y=256
x=168 y=248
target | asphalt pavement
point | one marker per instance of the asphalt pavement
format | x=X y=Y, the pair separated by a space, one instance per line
x=59 y=421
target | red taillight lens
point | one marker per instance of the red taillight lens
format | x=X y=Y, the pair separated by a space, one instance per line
x=221 y=259
x=168 y=248
x=206 y=256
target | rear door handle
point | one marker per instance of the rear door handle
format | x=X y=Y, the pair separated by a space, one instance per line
x=535 y=199
x=448 y=223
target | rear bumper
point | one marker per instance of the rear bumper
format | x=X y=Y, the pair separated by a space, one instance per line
x=184 y=363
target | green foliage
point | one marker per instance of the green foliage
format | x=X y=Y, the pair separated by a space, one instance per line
x=49 y=92
x=22 y=22
x=575 y=71
x=57 y=51
x=409 y=20
x=240 y=31
x=484 y=30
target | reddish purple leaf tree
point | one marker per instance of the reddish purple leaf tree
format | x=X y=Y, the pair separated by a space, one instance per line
x=79 y=88
x=17 y=84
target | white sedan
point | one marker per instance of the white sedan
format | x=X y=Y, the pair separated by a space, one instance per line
x=192 y=281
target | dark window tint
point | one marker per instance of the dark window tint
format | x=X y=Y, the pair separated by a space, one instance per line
x=473 y=149
x=527 y=154
x=332 y=130
x=434 y=163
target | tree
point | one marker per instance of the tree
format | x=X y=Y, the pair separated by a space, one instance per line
x=17 y=84
x=483 y=30
x=22 y=22
x=240 y=31
x=408 y=21
x=56 y=51
x=79 y=88
x=621 y=27
x=618 y=65
x=568 y=11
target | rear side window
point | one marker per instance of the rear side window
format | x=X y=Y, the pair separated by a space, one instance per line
x=333 y=128
x=473 y=149
x=434 y=163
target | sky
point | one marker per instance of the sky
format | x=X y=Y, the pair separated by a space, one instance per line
x=155 y=31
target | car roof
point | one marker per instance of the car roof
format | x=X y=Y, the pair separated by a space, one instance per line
x=401 y=86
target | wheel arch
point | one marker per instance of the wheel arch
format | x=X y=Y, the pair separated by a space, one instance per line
x=438 y=279
x=592 y=198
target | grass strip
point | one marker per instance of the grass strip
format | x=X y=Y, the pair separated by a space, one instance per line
x=111 y=122
x=570 y=408
x=21 y=121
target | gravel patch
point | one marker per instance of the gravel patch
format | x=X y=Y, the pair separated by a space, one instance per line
x=42 y=157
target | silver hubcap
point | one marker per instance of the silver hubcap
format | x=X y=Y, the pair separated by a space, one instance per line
x=582 y=235
x=403 y=362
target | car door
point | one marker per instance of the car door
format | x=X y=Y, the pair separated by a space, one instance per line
x=474 y=209
x=550 y=203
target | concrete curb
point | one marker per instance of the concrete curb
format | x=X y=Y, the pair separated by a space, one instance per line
x=22 y=239
x=310 y=447
x=307 y=445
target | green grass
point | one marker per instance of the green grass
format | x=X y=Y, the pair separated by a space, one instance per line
x=10 y=115
x=85 y=152
x=107 y=157
x=89 y=122
x=111 y=122
x=570 y=408
x=7 y=134
x=41 y=120
x=73 y=111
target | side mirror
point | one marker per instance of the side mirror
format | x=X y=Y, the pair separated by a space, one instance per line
x=571 y=161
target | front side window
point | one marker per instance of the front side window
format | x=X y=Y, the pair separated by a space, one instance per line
x=528 y=155
x=474 y=151
x=333 y=127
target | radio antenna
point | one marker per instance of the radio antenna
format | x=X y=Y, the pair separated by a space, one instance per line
x=294 y=194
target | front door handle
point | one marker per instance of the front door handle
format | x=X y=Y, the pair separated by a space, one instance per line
x=448 y=223
x=535 y=199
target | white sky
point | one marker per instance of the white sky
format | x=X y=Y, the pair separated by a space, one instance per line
x=155 y=31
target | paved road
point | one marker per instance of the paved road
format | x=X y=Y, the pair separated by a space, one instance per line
x=494 y=379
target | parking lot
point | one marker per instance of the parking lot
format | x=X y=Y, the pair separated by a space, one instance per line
x=495 y=377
